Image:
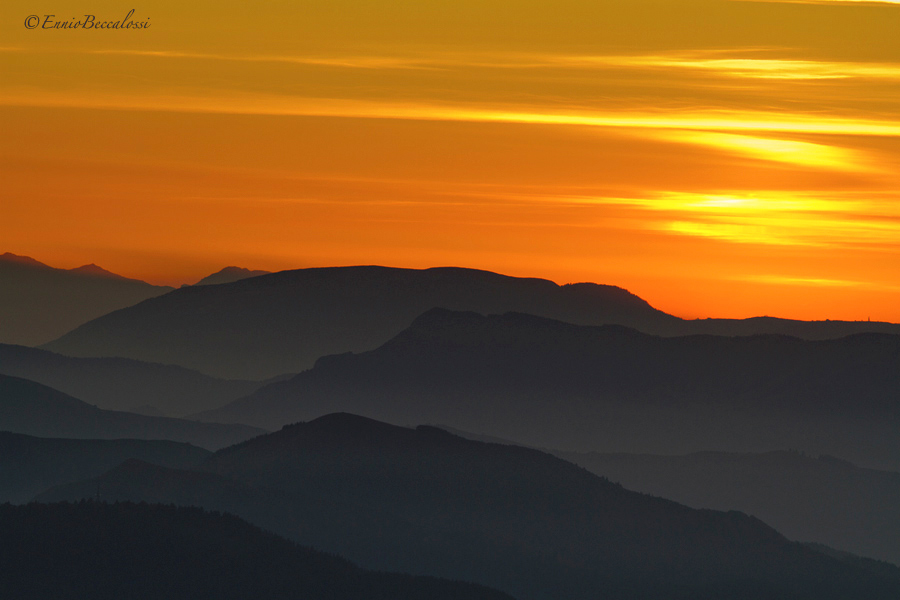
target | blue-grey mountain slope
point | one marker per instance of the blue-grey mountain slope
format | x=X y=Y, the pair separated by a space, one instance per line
x=424 y=501
x=123 y=384
x=29 y=465
x=34 y=409
x=152 y=552
x=550 y=384
x=823 y=499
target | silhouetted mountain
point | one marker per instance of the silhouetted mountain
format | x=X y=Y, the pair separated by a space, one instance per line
x=30 y=465
x=807 y=330
x=425 y=501
x=121 y=383
x=550 y=384
x=822 y=500
x=281 y=323
x=39 y=303
x=110 y=552
x=229 y=275
x=98 y=271
x=34 y=409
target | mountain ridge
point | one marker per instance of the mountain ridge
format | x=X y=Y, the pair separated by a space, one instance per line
x=264 y=326
x=31 y=465
x=39 y=303
x=424 y=501
x=33 y=409
x=814 y=499
x=121 y=383
x=89 y=549
x=547 y=383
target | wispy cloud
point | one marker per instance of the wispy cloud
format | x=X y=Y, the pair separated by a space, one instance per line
x=803 y=281
x=772 y=218
x=800 y=153
x=732 y=63
x=739 y=121
x=752 y=68
x=353 y=62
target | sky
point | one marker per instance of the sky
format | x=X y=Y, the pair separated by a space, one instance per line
x=719 y=158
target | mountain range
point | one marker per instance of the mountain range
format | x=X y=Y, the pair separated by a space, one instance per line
x=816 y=499
x=109 y=552
x=123 y=384
x=424 y=501
x=29 y=465
x=39 y=303
x=34 y=409
x=691 y=410
x=611 y=389
x=265 y=326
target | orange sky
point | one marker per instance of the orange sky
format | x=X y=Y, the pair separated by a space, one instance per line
x=718 y=158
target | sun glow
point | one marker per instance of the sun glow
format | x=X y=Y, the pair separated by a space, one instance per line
x=630 y=143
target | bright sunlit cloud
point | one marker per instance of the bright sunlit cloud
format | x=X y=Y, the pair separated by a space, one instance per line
x=754 y=68
x=774 y=218
x=805 y=154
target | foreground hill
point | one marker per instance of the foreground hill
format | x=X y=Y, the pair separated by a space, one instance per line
x=550 y=384
x=39 y=303
x=424 y=501
x=264 y=326
x=110 y=552
x=31 y=465
x=121 y=383
x=822 y=500
x=281 y=323
x=34 y=409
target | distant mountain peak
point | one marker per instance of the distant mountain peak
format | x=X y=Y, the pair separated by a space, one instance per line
x=9 y=257
x=96 y=271
x=230 y=275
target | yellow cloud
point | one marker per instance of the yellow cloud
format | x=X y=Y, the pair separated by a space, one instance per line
x=754 y=68
x=772 y=218
x=799 y=153
x=262 y=104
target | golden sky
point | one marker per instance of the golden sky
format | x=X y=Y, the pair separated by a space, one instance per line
x=719 y=158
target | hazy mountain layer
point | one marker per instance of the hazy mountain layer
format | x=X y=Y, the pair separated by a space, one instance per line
x=427 y=502
x=34 y=409
x=29 y=465
x=39 y=303
x=823 y=499
x=121 y=383
x=550 y=384
x=151 y=552
x=264 y=326
x=281 y=323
